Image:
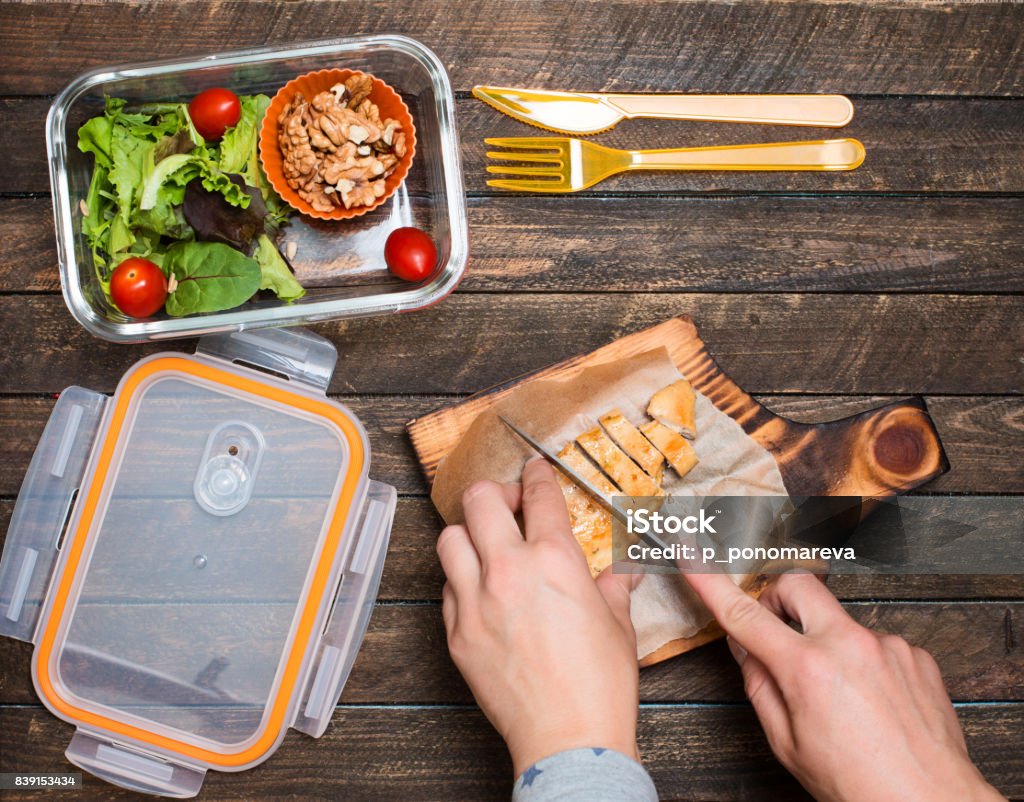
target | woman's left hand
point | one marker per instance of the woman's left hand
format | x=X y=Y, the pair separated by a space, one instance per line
x=549 y=653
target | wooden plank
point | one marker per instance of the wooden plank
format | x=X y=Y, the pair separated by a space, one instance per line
x=741 y=244
x=29 y=261
x=850 y=456
x=876 y=244
x=23 y=143
x=413 y=573
x=893 y=132
x=862 y=47
x=971 y=145
x=22 y=421
x=828 y=344
x=420 y=754
x=983 y=436
x=404 y=659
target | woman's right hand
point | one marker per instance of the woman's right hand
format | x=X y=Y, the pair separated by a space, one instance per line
x=854 y=715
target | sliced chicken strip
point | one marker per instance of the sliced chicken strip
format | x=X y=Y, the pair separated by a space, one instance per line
x=675 y=407
x=677 y=450
x=576 y=460
x=620 y=469
x=591 y=523
x=636 y=446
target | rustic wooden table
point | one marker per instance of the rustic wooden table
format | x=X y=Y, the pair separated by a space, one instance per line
x=822 y=294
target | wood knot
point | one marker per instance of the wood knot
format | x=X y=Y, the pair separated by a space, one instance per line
x=900 y=448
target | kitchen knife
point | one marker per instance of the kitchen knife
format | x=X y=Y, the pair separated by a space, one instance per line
x=584 y=485
x=590 y=112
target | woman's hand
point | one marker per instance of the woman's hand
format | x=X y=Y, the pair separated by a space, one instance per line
x=852 y=714
x=549 y=653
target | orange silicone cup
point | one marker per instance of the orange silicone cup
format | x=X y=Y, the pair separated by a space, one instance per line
x=387 y=100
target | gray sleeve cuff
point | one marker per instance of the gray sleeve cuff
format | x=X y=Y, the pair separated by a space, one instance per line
x=585 y=775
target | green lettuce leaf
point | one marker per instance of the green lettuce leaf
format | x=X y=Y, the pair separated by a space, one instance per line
x=119 y=238
x=278 y=212
x=94 y=137
x=274 y=272
x=98 y=204
x=216 y=181
x=157 y=174
x=210 y=277
x=113 y=107
x=166 y=119
x=99 y=211
x=165 y=218
x=238 y=142
x=180 y=169
x=128 y=154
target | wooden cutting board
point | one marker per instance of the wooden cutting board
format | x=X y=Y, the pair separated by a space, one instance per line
x=877 y=453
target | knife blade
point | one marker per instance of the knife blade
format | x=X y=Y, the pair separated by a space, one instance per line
x=588 y=113
x=649 y=538
x=584 y=485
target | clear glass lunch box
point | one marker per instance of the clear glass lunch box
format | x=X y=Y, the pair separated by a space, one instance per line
x=340 y=263
x=196 y=559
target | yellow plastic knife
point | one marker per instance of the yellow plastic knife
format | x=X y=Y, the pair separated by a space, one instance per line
x=590 y=113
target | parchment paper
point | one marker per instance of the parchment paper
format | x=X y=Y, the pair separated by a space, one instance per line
x=731 y=463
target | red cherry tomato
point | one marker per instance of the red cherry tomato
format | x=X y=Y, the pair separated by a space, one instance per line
x=214 y=111
x=138 y=287
x=410 y=254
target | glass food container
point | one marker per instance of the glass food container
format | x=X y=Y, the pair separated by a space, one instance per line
x=341 y=263
x=196 y=559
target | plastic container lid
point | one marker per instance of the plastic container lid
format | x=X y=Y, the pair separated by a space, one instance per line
x=187 y=615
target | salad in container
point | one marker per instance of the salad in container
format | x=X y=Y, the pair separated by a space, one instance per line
x=257 y=188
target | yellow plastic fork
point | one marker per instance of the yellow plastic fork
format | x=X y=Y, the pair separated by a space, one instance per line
x=569 y=165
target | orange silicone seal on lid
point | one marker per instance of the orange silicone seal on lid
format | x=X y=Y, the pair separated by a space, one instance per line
x=388 y=101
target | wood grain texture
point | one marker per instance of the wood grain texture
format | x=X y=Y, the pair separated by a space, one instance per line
x=937 y=208
x=23 y=142
x=872 y=454
x=829 y=344
x=682 y=245
x=414 y=574
x=983 y=436
x=404 y=659
x=971 y=144
x=29 y=259
x=453 y=754
x=741 y=244
x=859 y=48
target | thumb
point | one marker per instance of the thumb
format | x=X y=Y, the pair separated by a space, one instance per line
x=616 y=589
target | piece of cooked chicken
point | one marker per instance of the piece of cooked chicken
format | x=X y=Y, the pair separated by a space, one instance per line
x=677 y=449
x=636 y=446
x=620 y=469
x=575 y=459
x=675 y=407
x=591 y=523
